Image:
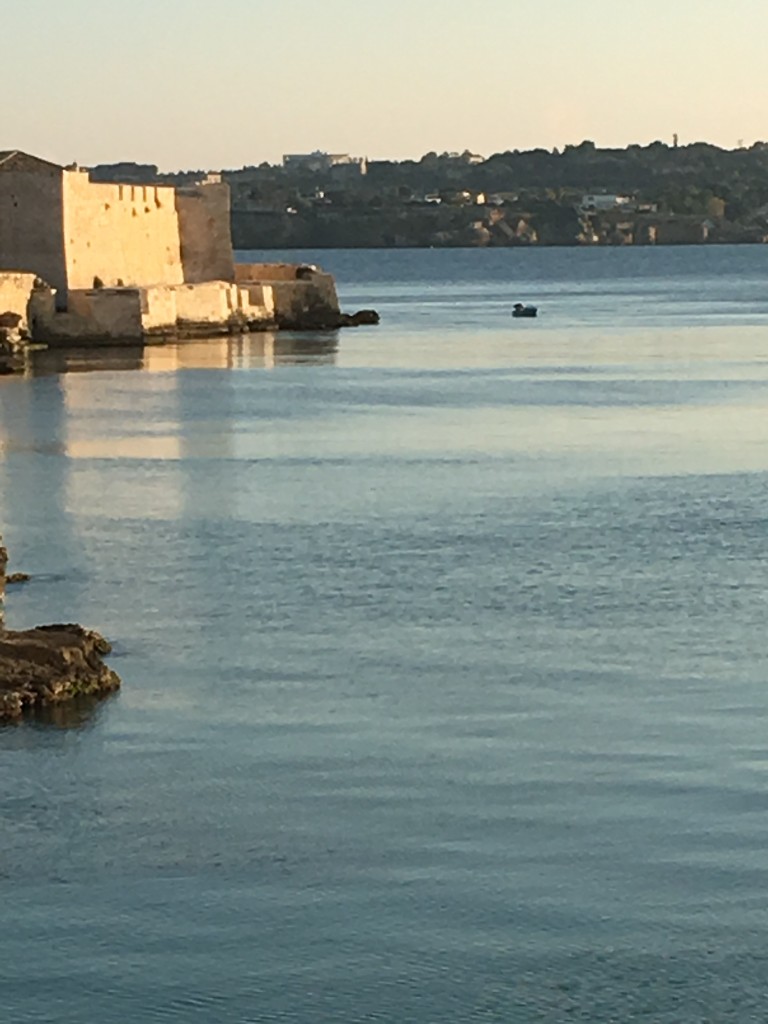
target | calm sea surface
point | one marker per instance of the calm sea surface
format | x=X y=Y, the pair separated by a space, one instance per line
x=444 y=648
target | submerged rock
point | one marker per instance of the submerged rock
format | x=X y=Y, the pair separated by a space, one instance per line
x=18 y=577
x=327 y=320
x=50 y=664
x=363 y=317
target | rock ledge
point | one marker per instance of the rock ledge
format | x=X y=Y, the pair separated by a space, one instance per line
x=50 y=664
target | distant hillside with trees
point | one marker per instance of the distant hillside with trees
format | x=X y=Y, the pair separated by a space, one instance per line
x=680 y=179
x=640 y=195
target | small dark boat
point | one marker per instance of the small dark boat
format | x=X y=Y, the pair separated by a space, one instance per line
x=520 y=310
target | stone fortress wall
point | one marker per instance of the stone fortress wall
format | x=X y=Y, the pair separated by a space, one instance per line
x=32 y=219
x=204 y=230
x=119 y=234
x=70 y=231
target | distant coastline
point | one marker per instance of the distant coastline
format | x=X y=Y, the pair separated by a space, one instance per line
x=660 y=194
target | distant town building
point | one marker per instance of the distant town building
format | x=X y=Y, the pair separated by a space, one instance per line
x=602 y=203
x=319 y=162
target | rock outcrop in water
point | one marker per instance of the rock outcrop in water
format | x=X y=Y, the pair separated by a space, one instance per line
x=362 y=318
x=49 y=664
x=329 y=320
x=11 y=350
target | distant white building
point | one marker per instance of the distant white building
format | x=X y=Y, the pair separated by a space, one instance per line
x=319 y=161
x=601 y=203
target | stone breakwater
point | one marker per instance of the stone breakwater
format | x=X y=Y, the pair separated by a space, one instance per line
x=263 y=297
x=49 y=664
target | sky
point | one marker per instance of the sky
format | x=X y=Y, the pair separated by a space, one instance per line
x=195 y=84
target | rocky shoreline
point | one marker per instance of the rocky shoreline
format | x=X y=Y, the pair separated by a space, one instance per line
x=49 y=664
x=12 y=343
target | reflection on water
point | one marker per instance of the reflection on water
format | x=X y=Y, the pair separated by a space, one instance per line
x=244 y=351
x=72 y=714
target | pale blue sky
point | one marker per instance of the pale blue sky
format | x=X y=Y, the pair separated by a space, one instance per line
x=195 y=83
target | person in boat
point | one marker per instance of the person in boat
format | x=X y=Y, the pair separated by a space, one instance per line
x=520 y=310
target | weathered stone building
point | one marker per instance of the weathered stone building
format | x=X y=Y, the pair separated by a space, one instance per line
x=56 y=223
x=123 y=261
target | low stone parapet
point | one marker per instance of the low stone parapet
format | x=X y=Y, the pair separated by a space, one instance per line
x=303 y=296
x=262 y=296
x=96 y=316
x=131 y=315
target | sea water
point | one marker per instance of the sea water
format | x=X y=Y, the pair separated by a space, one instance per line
x=443 y=647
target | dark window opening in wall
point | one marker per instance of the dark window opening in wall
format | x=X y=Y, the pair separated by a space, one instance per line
x=133 y=193
x=106 y=206
x=146 y=209
x=120 y=191
x=135 y=214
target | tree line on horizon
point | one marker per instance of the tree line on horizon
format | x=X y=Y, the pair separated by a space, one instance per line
x=679 y=179
x=696 y=179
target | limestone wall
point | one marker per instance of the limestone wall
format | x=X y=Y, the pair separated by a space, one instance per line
x=219 y=302
x=31 y=222
x=295 y=301
x=204 y=232
x=299 y=303
x=259 y=299
x=94 y=316
x=109 y=315
x=121 y=234
x=72 y=232
x=209 y=302
x=158 y=309
x=266 y=271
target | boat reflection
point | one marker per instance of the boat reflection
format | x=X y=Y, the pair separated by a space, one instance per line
x=246 y=351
